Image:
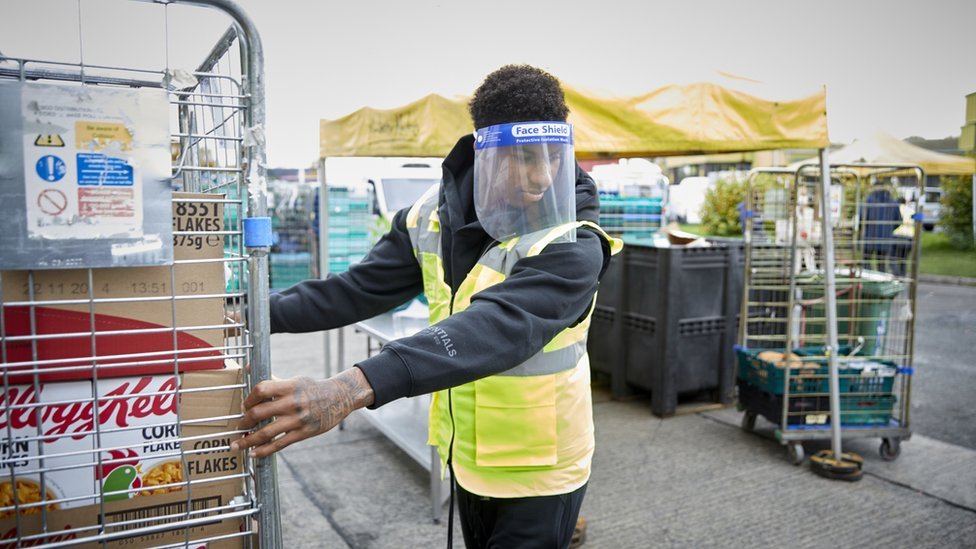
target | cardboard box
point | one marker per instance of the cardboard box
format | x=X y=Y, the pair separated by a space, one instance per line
x=142 y=433
x=143 y=461
x=65 y=347
x=21 y=406
x=80 y=523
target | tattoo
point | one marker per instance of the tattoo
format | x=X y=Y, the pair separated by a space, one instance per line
x=323 y=404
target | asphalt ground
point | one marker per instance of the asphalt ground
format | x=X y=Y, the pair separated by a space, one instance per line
x=943 y=397
x=695 y=480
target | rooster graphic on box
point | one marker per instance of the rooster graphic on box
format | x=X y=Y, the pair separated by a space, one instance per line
x=119 y=474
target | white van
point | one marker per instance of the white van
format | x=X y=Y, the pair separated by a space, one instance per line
x=631 y=177
x=401 y=183
x=931 y=207
x=688 y=197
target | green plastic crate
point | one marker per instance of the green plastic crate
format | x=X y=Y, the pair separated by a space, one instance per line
x=813 y=412
x=866 y=410
x=813 y=376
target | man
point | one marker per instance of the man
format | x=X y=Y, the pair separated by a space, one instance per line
x=509 y=255
x=881 y=216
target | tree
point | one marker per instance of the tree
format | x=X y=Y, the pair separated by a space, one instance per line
x=720 y=212
x=956 y=217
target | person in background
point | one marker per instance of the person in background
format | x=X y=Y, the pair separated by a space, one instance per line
x=509 y=255
x=902 y=236
x=880 y=215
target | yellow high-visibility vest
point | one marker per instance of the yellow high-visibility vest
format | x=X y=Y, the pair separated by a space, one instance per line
x=527 y=431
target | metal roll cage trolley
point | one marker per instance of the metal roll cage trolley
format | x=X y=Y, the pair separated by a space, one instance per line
x=827 y=319
x=213 y=165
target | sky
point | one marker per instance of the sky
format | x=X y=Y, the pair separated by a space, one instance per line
x=900 y=66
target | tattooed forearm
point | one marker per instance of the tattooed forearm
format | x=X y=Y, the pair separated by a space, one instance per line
x=321 y=405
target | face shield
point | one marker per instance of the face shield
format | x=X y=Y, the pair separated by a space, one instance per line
x=524 y=178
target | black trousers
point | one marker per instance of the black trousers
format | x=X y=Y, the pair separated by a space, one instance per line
x=518 y=523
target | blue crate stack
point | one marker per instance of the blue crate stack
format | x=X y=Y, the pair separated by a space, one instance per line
x=289 y=268
x=630 y=215
x=349 y=221
x=292 y=221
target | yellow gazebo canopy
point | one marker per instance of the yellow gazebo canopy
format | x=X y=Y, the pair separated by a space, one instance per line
x=678 y=119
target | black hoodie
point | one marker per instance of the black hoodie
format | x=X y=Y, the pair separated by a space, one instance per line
x=504 y=324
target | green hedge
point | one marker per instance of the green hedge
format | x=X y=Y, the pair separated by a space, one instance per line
x=956 y=216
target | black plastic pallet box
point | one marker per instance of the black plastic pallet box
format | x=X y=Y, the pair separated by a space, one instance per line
x=674 y=327
x=603 y=342
x=679 y=321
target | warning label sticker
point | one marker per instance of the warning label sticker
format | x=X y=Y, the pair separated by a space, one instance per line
x=95 y=202
x=52 y=201
x=98 y=169
x=95 y=136
x=89 y=186
x=50 y=168
x=49 y=140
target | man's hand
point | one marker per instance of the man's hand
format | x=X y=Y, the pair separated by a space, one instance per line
x=301 y=407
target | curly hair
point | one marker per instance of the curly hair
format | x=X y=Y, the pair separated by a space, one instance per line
x=518 y=93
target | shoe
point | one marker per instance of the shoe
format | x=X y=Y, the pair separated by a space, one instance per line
x=579 y=534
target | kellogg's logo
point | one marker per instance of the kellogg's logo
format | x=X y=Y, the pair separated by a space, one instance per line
x=116 y=407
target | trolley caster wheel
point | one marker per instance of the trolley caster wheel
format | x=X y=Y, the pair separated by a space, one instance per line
x=748 y=421
x=795 y=452
x=890 y=449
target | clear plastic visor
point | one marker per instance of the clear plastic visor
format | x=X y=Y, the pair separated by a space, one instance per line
x=524 y=185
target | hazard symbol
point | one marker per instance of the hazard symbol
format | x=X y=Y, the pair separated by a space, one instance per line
x=52 y=201
x=49 y=140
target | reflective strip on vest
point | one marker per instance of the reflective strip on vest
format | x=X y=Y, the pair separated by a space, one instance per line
x=529 y=430
x=422 y=203
x=426 y=247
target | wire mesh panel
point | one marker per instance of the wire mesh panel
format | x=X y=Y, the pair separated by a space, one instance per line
x=783 y=357
x=123 y=386
x=769 y=257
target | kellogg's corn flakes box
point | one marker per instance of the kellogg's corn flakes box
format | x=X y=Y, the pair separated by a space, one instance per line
x=46 y=446
x=135 y=442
